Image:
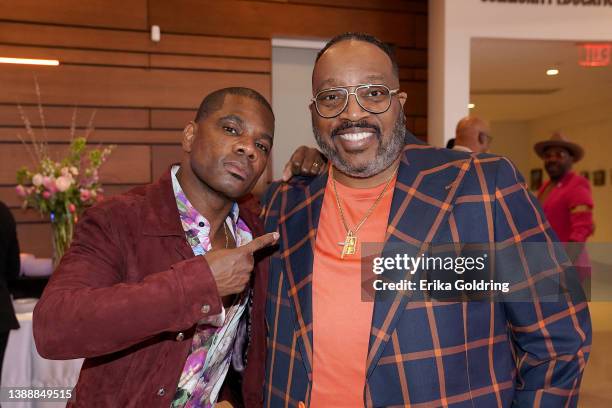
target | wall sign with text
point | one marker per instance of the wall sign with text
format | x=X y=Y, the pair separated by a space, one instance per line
x=556 y=2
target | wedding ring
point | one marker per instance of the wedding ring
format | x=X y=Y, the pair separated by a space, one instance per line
x=316 y=164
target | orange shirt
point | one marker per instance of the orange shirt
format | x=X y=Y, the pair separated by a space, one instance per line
x=341 y=320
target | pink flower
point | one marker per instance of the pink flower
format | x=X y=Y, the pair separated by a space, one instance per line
x=85 y=194
x=63 y=183
x=46 y=195
x=21 y=191
x=71 y=208
x=49 y=183
x=37 y=180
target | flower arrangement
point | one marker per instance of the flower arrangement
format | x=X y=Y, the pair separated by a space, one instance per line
x=61 y=189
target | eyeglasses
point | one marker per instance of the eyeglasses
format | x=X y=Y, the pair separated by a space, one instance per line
x=371 y=97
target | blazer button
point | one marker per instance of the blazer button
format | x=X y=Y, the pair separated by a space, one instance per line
x=161 y=392
x=180 y=336
x=205 y=309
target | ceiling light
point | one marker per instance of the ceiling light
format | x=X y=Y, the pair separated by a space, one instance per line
x=28 y=61
x=471 y=106
x=552 y=72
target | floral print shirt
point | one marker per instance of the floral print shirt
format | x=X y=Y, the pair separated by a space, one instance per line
x=212 y=346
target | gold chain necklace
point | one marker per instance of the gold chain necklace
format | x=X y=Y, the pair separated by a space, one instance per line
x=349 y=246
x=226 y=236
x=225 y=232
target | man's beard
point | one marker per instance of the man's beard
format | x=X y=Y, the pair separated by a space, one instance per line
x=386 y=154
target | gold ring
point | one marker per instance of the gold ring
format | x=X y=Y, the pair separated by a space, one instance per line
x=316 y=164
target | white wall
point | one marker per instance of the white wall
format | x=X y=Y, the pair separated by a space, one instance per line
x=452 y=25
x=513 y=140
x=291 y=92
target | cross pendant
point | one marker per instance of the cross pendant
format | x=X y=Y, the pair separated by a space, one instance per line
x=349 y=246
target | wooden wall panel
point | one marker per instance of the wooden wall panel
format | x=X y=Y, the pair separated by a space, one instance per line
x=35 y=239
x=139 y=59
x=411 y=57
x=120 y=136
x=61 y=116
x=269 y=19
x=128 y=87
x=416 y=104
x=210 y=63
x=7 y=194
x=68 y=56
x=163 y=157
x=171 y=119
x=145 y=92
x=127 y=164
x=90 y=38
x=126 y=14
x=29 y=216
x=387 y=5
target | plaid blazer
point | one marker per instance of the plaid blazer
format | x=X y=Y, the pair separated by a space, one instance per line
x=431 y=354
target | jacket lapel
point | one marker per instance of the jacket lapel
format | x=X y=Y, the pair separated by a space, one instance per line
x=422 y=201
x=160 y=216
x=299 y=212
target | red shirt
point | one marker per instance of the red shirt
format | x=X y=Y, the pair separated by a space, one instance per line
x=572 y=192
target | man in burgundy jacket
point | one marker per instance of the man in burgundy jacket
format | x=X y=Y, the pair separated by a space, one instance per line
x=159 y=283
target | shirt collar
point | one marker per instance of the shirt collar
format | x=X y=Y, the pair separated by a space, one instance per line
x=180 y=194
x=565 y=179
x=462 y=148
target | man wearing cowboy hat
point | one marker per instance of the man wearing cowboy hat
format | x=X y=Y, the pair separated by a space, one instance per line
x=566 y=198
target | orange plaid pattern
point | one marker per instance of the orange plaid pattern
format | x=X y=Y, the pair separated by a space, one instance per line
x=434 y=354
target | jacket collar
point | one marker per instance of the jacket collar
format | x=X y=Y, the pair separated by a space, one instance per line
x=160 y=214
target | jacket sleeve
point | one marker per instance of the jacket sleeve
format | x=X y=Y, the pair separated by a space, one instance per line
x=87 y=309
x=581 y=212
x=551 y=330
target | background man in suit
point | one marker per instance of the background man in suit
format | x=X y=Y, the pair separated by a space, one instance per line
x=157 y=285
x=326 y=346
x=472 y=135
x=9 y=270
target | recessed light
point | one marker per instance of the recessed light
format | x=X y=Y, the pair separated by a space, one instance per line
x=28 y=61
x=552 y=72
x=471 y=106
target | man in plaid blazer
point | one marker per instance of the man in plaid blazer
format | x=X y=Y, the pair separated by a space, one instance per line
x=417 y=353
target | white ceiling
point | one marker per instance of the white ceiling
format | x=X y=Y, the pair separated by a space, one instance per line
x=508 y=79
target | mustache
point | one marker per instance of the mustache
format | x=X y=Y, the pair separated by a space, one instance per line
x=351 y=125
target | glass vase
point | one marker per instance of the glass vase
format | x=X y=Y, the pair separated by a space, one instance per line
x=62 y=229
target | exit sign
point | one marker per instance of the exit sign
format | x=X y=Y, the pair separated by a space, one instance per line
x=595 y=55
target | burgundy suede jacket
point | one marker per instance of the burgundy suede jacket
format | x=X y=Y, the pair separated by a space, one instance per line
x=127 y=296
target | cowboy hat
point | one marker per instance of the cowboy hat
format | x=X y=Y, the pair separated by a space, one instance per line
x=559 y=140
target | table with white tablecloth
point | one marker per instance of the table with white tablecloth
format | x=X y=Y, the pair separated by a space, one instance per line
x=24 y=367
